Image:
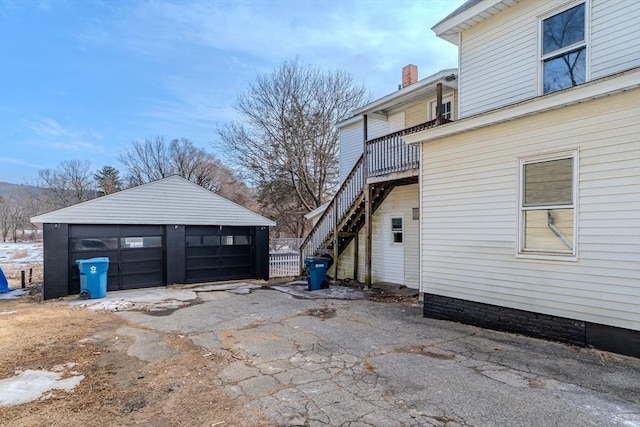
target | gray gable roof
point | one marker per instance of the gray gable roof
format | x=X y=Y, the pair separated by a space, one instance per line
x=172 y=200
x=467 y=5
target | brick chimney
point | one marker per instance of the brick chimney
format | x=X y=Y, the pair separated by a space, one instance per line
x=409 y=75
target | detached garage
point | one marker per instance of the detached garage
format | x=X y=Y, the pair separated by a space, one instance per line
x=165 y=232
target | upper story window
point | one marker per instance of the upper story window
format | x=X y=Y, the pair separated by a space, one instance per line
x=447 y=112
x=564 y=49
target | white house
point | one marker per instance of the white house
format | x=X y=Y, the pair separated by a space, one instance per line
x=370 y=228
x=530 y=201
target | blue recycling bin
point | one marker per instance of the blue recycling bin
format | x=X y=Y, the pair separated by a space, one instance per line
x=317 y=269
x=93 y=277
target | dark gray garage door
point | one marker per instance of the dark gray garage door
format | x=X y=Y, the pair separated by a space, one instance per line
x=218 y=253
x=136 y=254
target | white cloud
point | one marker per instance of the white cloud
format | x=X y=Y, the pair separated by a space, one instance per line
x=20 y=162
x=364 y=37
x=49 y=127
x=52 y=134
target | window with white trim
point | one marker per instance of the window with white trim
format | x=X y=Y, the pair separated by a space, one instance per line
x=547 y=205
x=396 y=229
x=563 y=49
x=447 y=112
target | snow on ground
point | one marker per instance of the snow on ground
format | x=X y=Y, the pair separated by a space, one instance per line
x=27 y=386
x=21 y=256
x=20 y=253
x=14 y=293
x=151 y=299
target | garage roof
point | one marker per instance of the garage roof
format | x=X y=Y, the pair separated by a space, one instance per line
x=172 y=200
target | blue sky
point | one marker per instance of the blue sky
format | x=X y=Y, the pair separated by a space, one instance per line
x=82 y=79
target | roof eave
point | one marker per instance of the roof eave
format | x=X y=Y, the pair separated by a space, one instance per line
x=627 y=80
x=449 y=28
x=398 y=96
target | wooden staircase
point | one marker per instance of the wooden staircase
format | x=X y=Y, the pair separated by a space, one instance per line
x=386 y=163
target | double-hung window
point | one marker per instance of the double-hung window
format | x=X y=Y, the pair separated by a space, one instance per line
x=548 y=205
x=563 y=52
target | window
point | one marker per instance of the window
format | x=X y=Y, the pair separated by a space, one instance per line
x=563 y=49
x=446 y=110
x=547 y=205
x=97 y=244
x=396 y=230
x=241 y=240
x=140 y=242
x=193 y=241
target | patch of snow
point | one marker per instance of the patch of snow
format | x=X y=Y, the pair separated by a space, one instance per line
x=156 y=299
x=8 y=251
x=27 y=386
x=15 y=293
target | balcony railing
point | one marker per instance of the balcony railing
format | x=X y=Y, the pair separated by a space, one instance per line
x=344 y=199
x=389 y=154
x=385 y=155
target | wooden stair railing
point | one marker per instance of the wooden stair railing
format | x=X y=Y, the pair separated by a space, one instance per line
x=384 y=155
x=349 y=192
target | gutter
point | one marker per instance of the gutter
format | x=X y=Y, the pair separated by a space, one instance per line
x=627 y=80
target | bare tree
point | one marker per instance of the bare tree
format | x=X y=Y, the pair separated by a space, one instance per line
x=154 y=159
x=69 y=183
x=5 y=217
x=286 y=140
x=147 y=161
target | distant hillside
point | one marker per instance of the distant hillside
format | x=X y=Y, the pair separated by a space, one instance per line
x=8 y=189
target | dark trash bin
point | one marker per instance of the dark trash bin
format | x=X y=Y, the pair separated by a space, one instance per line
x=317 y=270
x=93 y=277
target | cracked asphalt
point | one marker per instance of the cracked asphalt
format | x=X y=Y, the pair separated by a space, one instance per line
x=326 y=362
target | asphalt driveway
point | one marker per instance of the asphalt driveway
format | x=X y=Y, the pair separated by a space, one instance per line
x=337 y=362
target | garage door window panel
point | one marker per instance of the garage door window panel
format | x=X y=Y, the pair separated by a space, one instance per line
x=94 y=244
x=141 y=242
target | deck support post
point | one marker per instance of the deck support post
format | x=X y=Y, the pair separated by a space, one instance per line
x=356 y=254
x=438 y=104
x=336 y=235
x=367 y=205
x=368 y=229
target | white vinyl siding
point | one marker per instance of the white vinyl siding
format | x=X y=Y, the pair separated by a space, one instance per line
x=499 y=57
x=470 y=214
x=396 y=122
x=401 y=202
x=350 y=148
x=615 y=36
x=402 y=269
x=377 y=127
x=416 y=113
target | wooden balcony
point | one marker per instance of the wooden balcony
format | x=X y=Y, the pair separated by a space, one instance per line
x=388 y=162
x=388 y=154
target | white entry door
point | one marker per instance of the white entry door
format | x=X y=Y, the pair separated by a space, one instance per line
x=393 y=255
